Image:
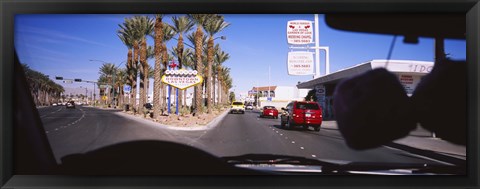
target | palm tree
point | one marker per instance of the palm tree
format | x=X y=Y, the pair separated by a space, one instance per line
x=181 y=25
x=220 y=58
x=143 y=26
x=107 y=72
x=128 y=28
x=226 y=83
x=215 y=24
x=126 y=36
x=203 y=60
x=200 y=21
x=150 y=55
x=187 y=63
x=168 y=34
x=121 y=79
x=42 y=89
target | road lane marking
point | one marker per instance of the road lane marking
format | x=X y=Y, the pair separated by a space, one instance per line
x=419 y=156
x=281 y=134
x=314 y=156
x=293 y=142
x=72 y=123
x=302 y=148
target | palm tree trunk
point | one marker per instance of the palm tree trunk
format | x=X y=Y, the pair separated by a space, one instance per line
x=199 y=68
x=165 y=66
x=134 y=77
x=209 y=73
x=129 y=73
x=214 y=81
x=143 y=71
x=157 y=83
x=180 y=64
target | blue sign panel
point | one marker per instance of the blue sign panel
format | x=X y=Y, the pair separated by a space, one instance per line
x=127 y=88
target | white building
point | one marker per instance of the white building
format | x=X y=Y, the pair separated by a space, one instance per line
x=409 y=73
x=279 y=96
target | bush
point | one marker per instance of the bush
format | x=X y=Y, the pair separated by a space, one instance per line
x=184 y=111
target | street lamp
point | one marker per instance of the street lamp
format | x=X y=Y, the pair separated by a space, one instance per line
x=221 y=37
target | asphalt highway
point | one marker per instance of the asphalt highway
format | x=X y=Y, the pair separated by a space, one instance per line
x=84 y=129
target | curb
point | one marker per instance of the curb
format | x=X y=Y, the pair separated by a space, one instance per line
x=210 y=125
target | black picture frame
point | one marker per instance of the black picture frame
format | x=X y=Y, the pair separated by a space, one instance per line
x=9 y=8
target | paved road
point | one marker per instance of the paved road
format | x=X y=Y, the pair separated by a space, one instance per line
x=85 y=128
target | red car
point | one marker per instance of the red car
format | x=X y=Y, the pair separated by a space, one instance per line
x=269 y=111
x=302 y=113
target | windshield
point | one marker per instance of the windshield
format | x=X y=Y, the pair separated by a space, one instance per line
x=110 y=65
x=307 y=106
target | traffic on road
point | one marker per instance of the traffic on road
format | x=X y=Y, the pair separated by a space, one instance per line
x=170 y=95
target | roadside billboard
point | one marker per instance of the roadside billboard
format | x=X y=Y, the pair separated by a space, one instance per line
x=182 y=79
x=300 y=63
x=299 y=32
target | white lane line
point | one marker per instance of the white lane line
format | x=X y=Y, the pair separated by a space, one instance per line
x=314 y=156
x=293 y=142
x=302 y=148
x=281 y=134
x=276 y=131
x=419 y=156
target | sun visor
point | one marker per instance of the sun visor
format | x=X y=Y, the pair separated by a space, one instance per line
x=449 y=25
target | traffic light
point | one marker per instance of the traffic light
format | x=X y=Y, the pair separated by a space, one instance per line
x=78 y=80
x=58 y=78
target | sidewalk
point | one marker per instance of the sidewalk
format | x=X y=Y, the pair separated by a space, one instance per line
x=421 y=139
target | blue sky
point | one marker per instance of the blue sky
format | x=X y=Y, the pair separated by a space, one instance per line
x=62 y=45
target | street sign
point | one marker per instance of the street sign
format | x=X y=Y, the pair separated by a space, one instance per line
x=182 y=79
x=300 y=63
x=299 y=32
x=68 y=81
x=127 y=88
x=269 y=98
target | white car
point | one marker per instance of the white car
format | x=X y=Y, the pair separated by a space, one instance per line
x=249 y=107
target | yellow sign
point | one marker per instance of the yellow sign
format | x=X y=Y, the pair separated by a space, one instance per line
x=182 y=79
x=104 y=97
